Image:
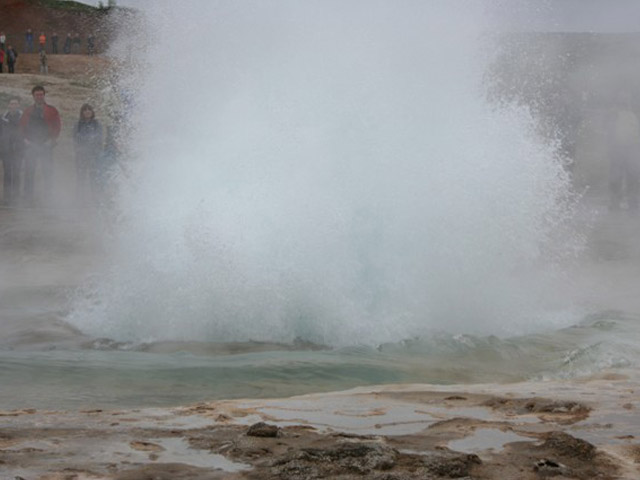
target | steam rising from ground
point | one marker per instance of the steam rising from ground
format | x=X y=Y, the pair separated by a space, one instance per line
x=329 y=171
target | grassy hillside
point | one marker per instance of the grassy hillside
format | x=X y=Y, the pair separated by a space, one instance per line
x=61 y=17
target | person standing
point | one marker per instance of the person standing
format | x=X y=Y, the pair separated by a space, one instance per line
x=102 y=173
x=87 y=140
x=40 y=127
x=44 y=64
x=91 y=44
x=42 y=42
x=12 y=58
x=67 y=44
x=12 y=148
x=54 y=43
x=2 y=55
x=76 y=43
x=624 y=155
x=28 y=41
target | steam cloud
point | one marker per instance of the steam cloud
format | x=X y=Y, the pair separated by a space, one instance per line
x=330 y=171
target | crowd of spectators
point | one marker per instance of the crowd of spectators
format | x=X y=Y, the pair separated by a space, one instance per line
x=28 y=139
x=73 y=43
x=29 y=136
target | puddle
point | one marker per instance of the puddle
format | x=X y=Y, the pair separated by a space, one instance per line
x=485 y=439
x=609 y=427
x=477 y=413
x=177 y=450
x=366 y=415
x=372 y=417
x=33 y=445
x=156 y=450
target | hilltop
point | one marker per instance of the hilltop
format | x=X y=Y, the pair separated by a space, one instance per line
x=61 y=17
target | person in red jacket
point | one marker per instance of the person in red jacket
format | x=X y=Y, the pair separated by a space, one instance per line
x=40 y=127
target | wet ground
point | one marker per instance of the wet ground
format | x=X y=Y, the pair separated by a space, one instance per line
x=575 y=430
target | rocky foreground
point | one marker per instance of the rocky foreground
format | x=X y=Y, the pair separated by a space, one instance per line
x=584 y=429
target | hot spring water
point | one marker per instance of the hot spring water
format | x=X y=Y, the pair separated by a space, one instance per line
x=320 y=195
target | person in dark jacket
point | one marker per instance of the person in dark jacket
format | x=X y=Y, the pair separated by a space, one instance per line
x=40 y=127
x=91 y=44
x=54 y=43
x=12 y=58
x=28 y=41
x=76 y=43
x=67 y=44
x=11 y=146
x=87 y=140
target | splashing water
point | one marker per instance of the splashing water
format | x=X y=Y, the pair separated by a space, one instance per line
x=328 y=171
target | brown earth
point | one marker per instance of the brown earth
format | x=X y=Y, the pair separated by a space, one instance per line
x=72 y=81
x=61 y=17
x=80 y=68
x=484 y=432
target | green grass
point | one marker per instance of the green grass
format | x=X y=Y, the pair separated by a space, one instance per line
x=69 y=5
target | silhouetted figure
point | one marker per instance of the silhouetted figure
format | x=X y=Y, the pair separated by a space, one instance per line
x=54 y=43
x=40 y=127
x=76 y=43
x=12 y=147
x=87 y=140
x=624 y=155
x=12 y=58
x=103 y=169
x=44 y=63
x=28 y=41
x=67 y=44
x=91 y=44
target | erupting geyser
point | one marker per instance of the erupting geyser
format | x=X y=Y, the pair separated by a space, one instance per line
x=330 y=171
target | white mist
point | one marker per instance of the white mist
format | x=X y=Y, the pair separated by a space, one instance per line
x=330 y=171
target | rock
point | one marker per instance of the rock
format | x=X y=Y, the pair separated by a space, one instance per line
x=565 y=445
x=393 y=476
x=145 y=446
x=452 y=465
x=523 y=406
x=360 y=458
x=550 y=468
x=554 y=406
x=262 y=429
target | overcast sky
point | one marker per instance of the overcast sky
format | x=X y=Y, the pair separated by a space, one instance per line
x=568 y=15
x=535 y=15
